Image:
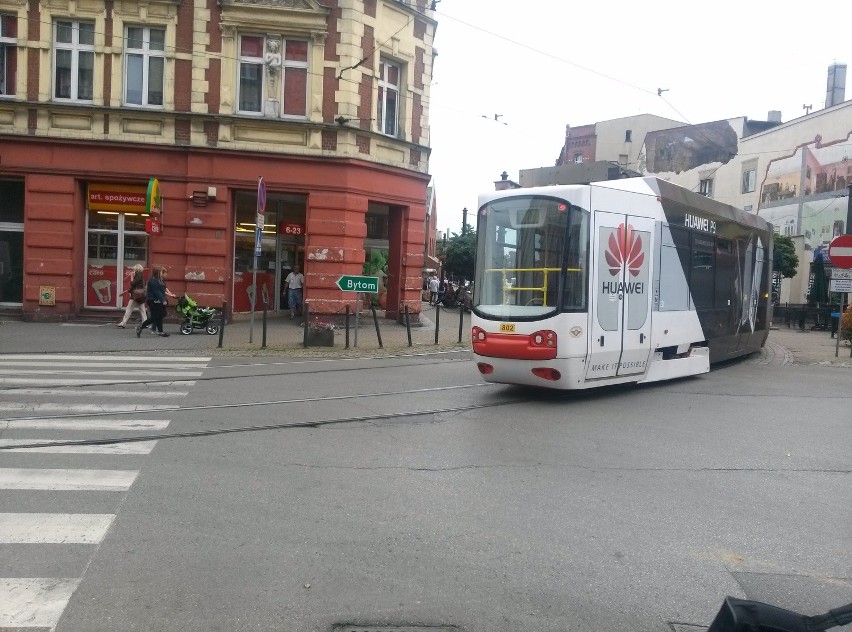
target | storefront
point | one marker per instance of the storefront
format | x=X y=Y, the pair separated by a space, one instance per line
x=11 y=243
x=115 y=240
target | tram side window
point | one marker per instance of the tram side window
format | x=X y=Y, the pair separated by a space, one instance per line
x=674 y=278
x=703 y=271
x=576 y=281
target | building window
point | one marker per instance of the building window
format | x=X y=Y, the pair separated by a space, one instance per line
x=749 y=180
x=622 y=159
x=705 y=187
x=73 y=60
x=388 y=102
x=578 y=158
x=257 y=53
x=8 y=53
x=144 y=66
x=628 y=136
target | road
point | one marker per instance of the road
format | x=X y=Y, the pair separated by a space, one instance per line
x=279 y=494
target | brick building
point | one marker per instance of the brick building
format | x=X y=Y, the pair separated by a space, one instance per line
x=326 y=100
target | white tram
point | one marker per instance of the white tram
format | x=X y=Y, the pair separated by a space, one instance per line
x=633 y=280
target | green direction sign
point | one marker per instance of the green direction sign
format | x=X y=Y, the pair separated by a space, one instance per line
x=350 y=283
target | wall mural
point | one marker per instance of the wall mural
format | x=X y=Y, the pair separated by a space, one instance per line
x=811 y=180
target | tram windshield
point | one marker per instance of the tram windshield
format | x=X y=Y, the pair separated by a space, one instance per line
x=532 y=258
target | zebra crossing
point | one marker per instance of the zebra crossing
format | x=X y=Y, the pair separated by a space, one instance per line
x=54 y=495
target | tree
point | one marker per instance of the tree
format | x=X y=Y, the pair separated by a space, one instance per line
x=784 y=254
x=460 y=253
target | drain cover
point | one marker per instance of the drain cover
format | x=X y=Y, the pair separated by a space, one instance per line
x=349 y=627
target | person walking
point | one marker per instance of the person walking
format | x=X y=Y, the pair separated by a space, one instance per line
x=157 y=293
x=295 y=283
x=433 y=290
x=136 y=297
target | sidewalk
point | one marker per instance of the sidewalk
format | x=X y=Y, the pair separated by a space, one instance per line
x=285 y=337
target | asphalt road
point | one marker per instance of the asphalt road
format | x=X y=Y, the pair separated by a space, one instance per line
x=492 y=509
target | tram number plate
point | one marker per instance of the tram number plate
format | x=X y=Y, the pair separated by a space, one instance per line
x=507 y=327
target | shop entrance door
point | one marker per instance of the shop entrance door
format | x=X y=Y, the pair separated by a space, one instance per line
x=289 y=253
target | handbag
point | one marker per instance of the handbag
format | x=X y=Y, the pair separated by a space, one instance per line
x=139 y=295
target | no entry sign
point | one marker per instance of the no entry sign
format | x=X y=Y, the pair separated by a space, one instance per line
x=840 y=251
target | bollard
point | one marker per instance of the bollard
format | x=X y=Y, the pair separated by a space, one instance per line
x=407 y=325
x=437 y=321
x=347 y=325
x=376 y=322
x=265 y=312
x=461 y=321
x=305 y=315
x=222 y=322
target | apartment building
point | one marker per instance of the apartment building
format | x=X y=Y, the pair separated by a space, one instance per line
x=278 y=132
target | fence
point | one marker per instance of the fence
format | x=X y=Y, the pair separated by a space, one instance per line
x=803 y=316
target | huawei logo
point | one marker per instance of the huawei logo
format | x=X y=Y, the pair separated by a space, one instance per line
x=626 y=249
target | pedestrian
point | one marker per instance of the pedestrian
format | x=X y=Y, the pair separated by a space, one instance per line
x=295 y=283
x=442 y=287
x=135 y=298
x=157 y=301
x=433 y=289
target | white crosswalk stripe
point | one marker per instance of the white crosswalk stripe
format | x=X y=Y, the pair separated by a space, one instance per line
x=55 y=398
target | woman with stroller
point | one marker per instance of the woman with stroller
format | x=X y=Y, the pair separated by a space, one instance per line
x=135 y=299
x=157 y=293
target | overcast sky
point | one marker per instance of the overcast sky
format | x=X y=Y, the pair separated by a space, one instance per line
x=542 y=64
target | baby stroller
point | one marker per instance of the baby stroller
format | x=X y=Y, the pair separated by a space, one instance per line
x=195 y=317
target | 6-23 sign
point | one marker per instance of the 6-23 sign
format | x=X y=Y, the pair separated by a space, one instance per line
x=291 y=229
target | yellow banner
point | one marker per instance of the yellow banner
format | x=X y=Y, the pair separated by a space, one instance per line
x=127 y=198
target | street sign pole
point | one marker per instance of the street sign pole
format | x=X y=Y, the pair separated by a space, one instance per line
x=258 y=247
x=357 y=317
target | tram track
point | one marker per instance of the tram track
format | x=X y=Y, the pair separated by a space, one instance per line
x=258 y=428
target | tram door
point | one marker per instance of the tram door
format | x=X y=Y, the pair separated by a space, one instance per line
x=621 y=309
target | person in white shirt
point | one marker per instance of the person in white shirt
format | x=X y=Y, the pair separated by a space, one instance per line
x=295 y=282
x=433 y=290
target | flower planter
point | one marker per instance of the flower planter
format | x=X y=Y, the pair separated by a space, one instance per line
x=320 y=337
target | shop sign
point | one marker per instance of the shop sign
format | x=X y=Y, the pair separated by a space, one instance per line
x=285 y=228
x=153 y=199
x=126 y=198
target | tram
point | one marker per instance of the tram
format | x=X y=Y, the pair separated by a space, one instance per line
x=633 y=280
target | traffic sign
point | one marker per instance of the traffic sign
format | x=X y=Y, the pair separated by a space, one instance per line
x=840 y=251
x=351 y=283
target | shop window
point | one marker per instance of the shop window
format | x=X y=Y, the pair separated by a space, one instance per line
x=262 y=57
x=115 y=242
x=73 y=60
x=8 y=53
x=388 y=102
x=377 y=225
x=144 y=66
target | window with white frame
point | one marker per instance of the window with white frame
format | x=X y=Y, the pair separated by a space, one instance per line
x=578 y=158
x=388 y=102
x=8 y=53
x=261 y=56
x=73 y=60
x=705 y=187
x=144 y=65
x=749 y=179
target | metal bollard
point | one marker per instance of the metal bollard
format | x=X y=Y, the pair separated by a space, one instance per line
x=265 y=312
x=347 y=325
x=222 y=322
x=376 y=322
x=305 y=315
x=407 y=325
x=437 y=321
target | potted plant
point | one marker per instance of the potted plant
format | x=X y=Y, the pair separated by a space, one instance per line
x=320 y=334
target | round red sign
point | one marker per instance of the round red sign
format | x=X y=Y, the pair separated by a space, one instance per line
x=840 y=251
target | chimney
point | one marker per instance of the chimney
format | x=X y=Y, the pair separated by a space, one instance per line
x=835 y=91
x=774 y=116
